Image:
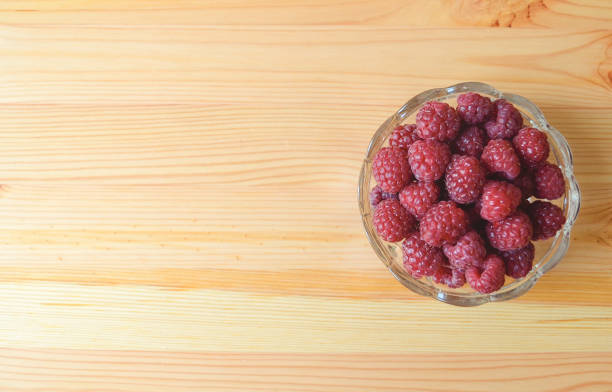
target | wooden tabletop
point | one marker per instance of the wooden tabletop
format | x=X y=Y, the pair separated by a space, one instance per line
x=178 y=200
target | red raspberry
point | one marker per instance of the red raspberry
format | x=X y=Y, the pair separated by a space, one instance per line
x=377 y=195
x=428 y=159
x=531 y=146
x=507 y=122
x=474 y=108
x=510 y=233
x=443 y=223
x=499 y=199
x=465 y=178
x=468 y=251
x=499 y=156
x=403 y=136
x=525 y=183
x=421 y=259
x=518 y=262
x=392 y=222
x=490 y=278
x=437 y=120
x=471 y=141
x=549 y=182
x=391 y=169
x=418 y=197
x=451 y=277
x=547 y=219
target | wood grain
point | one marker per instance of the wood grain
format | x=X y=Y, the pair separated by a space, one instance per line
x=131 y=316
x=178 y=196
x=60 y=370
x=589 y=14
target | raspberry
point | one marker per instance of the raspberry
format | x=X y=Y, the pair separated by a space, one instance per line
x=443 y=223
x=513 y=232
x=525 y=183
x=437 y=120
x=507 y=122
x=451 y=277
x=474 y=108
x=421 y=259
x=471 y=141
x=547 y=219
x=490 y=278
x=465 y=178
x=387 y=195
x=499 y=199
x=403 y=136
x=519 y=261
x=549 y=182
x=391 y=169
x=499 y=156
x=392 y=222
x=531 y=146
x=428 y=159
x=418 y=197
x=468 y=251
x=377 y=195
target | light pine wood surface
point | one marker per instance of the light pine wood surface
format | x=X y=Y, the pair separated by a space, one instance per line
x=178 y=205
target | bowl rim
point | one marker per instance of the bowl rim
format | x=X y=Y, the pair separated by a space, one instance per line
x=571 y=201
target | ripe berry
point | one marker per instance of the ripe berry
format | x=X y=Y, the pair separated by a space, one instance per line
x=471 y=141
x=418 y=197
x=499 y=156
x=510 y=233
x=549 y=182
x=507 y=122
x=403 y=136
x=421 y=259
x=438 y=121
x=465 y=178
x=452 y=278
x=531 y=146
x=392 y=222
x=499 y=199
x=519 y=261
x=468 y=251
x=428 y=159
x=547 y=219
x=525 y=183
x=377 y=195
x=488 y=279
x=474 y=108
x=443 y=223
x=391 y=169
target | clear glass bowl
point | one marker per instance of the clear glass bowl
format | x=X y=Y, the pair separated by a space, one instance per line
x=548 y=253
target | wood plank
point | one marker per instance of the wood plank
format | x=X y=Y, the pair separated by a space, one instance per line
x=589 y=14
x=112 y=371
x=325 y=65
x=132 y=317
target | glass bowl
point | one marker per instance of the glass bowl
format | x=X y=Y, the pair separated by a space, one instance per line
x=548 y=253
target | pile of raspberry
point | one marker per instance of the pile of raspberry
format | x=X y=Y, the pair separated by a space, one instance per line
x=456 y=187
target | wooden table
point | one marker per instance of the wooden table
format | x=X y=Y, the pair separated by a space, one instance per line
x=178 y=203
